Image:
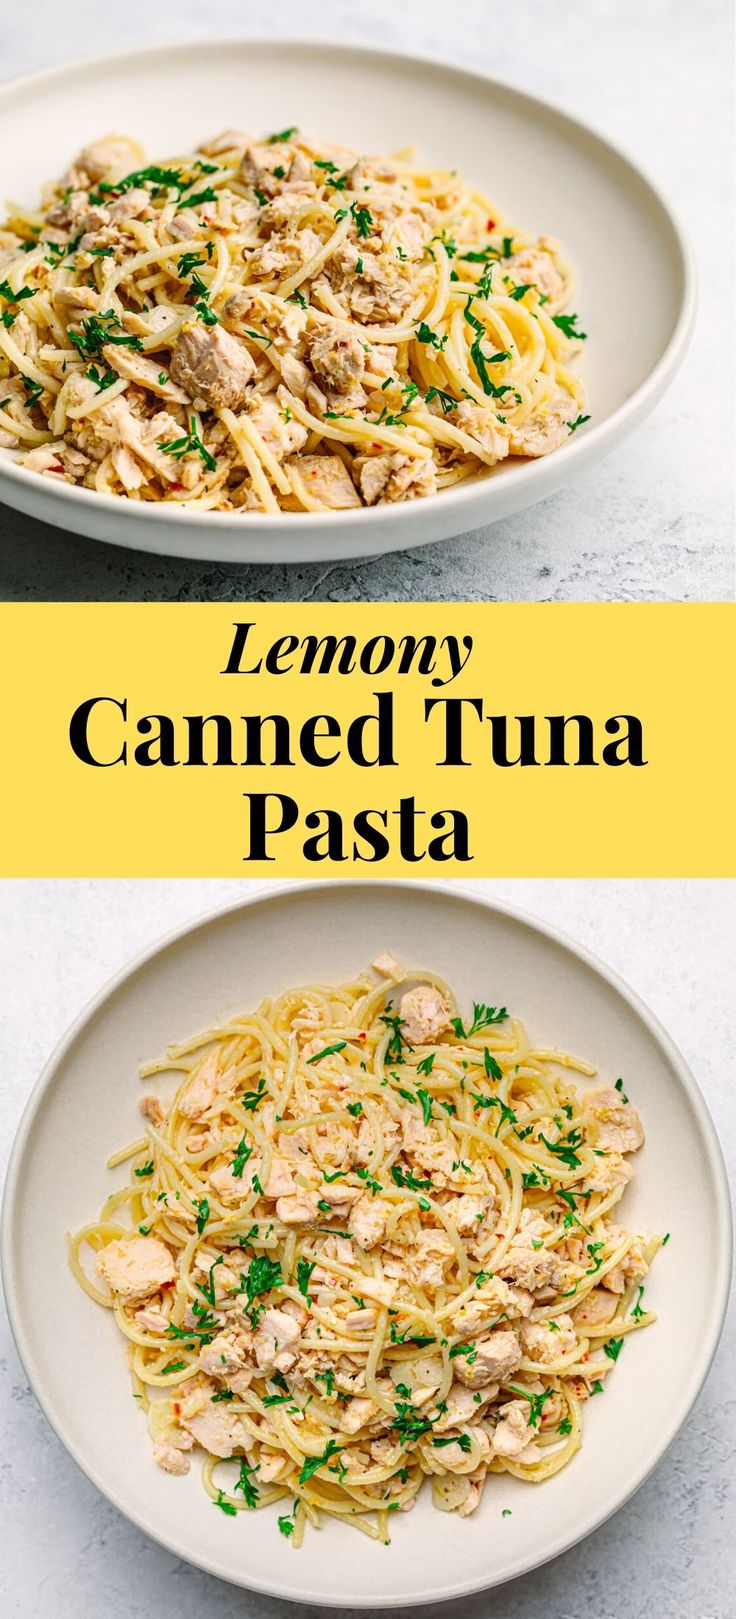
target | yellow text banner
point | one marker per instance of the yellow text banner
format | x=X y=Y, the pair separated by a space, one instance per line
x=426 y=739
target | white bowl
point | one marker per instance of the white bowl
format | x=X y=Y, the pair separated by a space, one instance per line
x=546 y=172
x=85 y=1105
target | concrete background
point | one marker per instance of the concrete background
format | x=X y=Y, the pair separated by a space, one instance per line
x=65 y=1553
x=655 y=520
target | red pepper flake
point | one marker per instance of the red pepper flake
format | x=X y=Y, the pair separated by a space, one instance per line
x=176 y=486
x=490 y=224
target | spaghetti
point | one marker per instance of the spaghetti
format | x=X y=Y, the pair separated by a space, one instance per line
x=370 y=1243
x=277 y=326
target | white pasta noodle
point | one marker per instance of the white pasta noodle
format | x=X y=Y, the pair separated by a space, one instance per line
x=368 y=1243
x=278 y=325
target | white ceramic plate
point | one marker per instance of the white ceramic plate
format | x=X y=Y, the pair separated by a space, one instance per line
x=546 y=172
x=85 y=1104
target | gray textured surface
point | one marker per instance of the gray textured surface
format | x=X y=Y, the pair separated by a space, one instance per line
x=655 y=520
x=669 y=1554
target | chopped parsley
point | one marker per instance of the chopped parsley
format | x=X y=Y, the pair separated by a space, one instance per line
x=483 y=1017
x=427 y=336
x=248 y=1491
x=395 y=1047
x=445 y=400
x=191 y=441
x=203 y=1214
x=356 y=1108
x=567 y=324
x=536 y=1403
x=250 y=1099
x=426 y=1102
x=406 y=1337
x=224 y=1505
x=578 y=422
x=145 y=1169
x=283 y=134
x=408 y=1423
x=304 y=1268
x=407 y=1178
x=312 y=1464
x=161 y=179
x=326 y=1052
x=206 y=314
x=208 y=1292
x=370 y=1180
x=262 y=1275
x=613 y=1348
x=480 y=359
x=242 y=1153
x=363 y=219
x=507 y=1114
x=571 y=1218
x=463 y=1440
x=208 y=194
x=207 y=1326
x=101 y=329
x=564 y=1149
x=189 y=262
x=534 y=1177
x=637 y=1312
x=6 y=292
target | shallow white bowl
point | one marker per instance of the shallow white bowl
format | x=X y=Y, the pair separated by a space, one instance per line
x=85 y=1105
x=546 y=173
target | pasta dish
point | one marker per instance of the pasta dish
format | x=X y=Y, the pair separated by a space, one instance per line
x=368 y=1243
x=277 y=325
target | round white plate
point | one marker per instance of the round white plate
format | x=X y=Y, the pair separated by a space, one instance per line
x=86 y=1104
x=546 y=172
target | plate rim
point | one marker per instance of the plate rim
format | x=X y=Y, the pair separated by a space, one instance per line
x=466 y=500
x=687 y=1395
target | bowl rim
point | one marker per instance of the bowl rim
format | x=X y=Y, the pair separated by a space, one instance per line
x=687 y=1394
x=469 y=497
